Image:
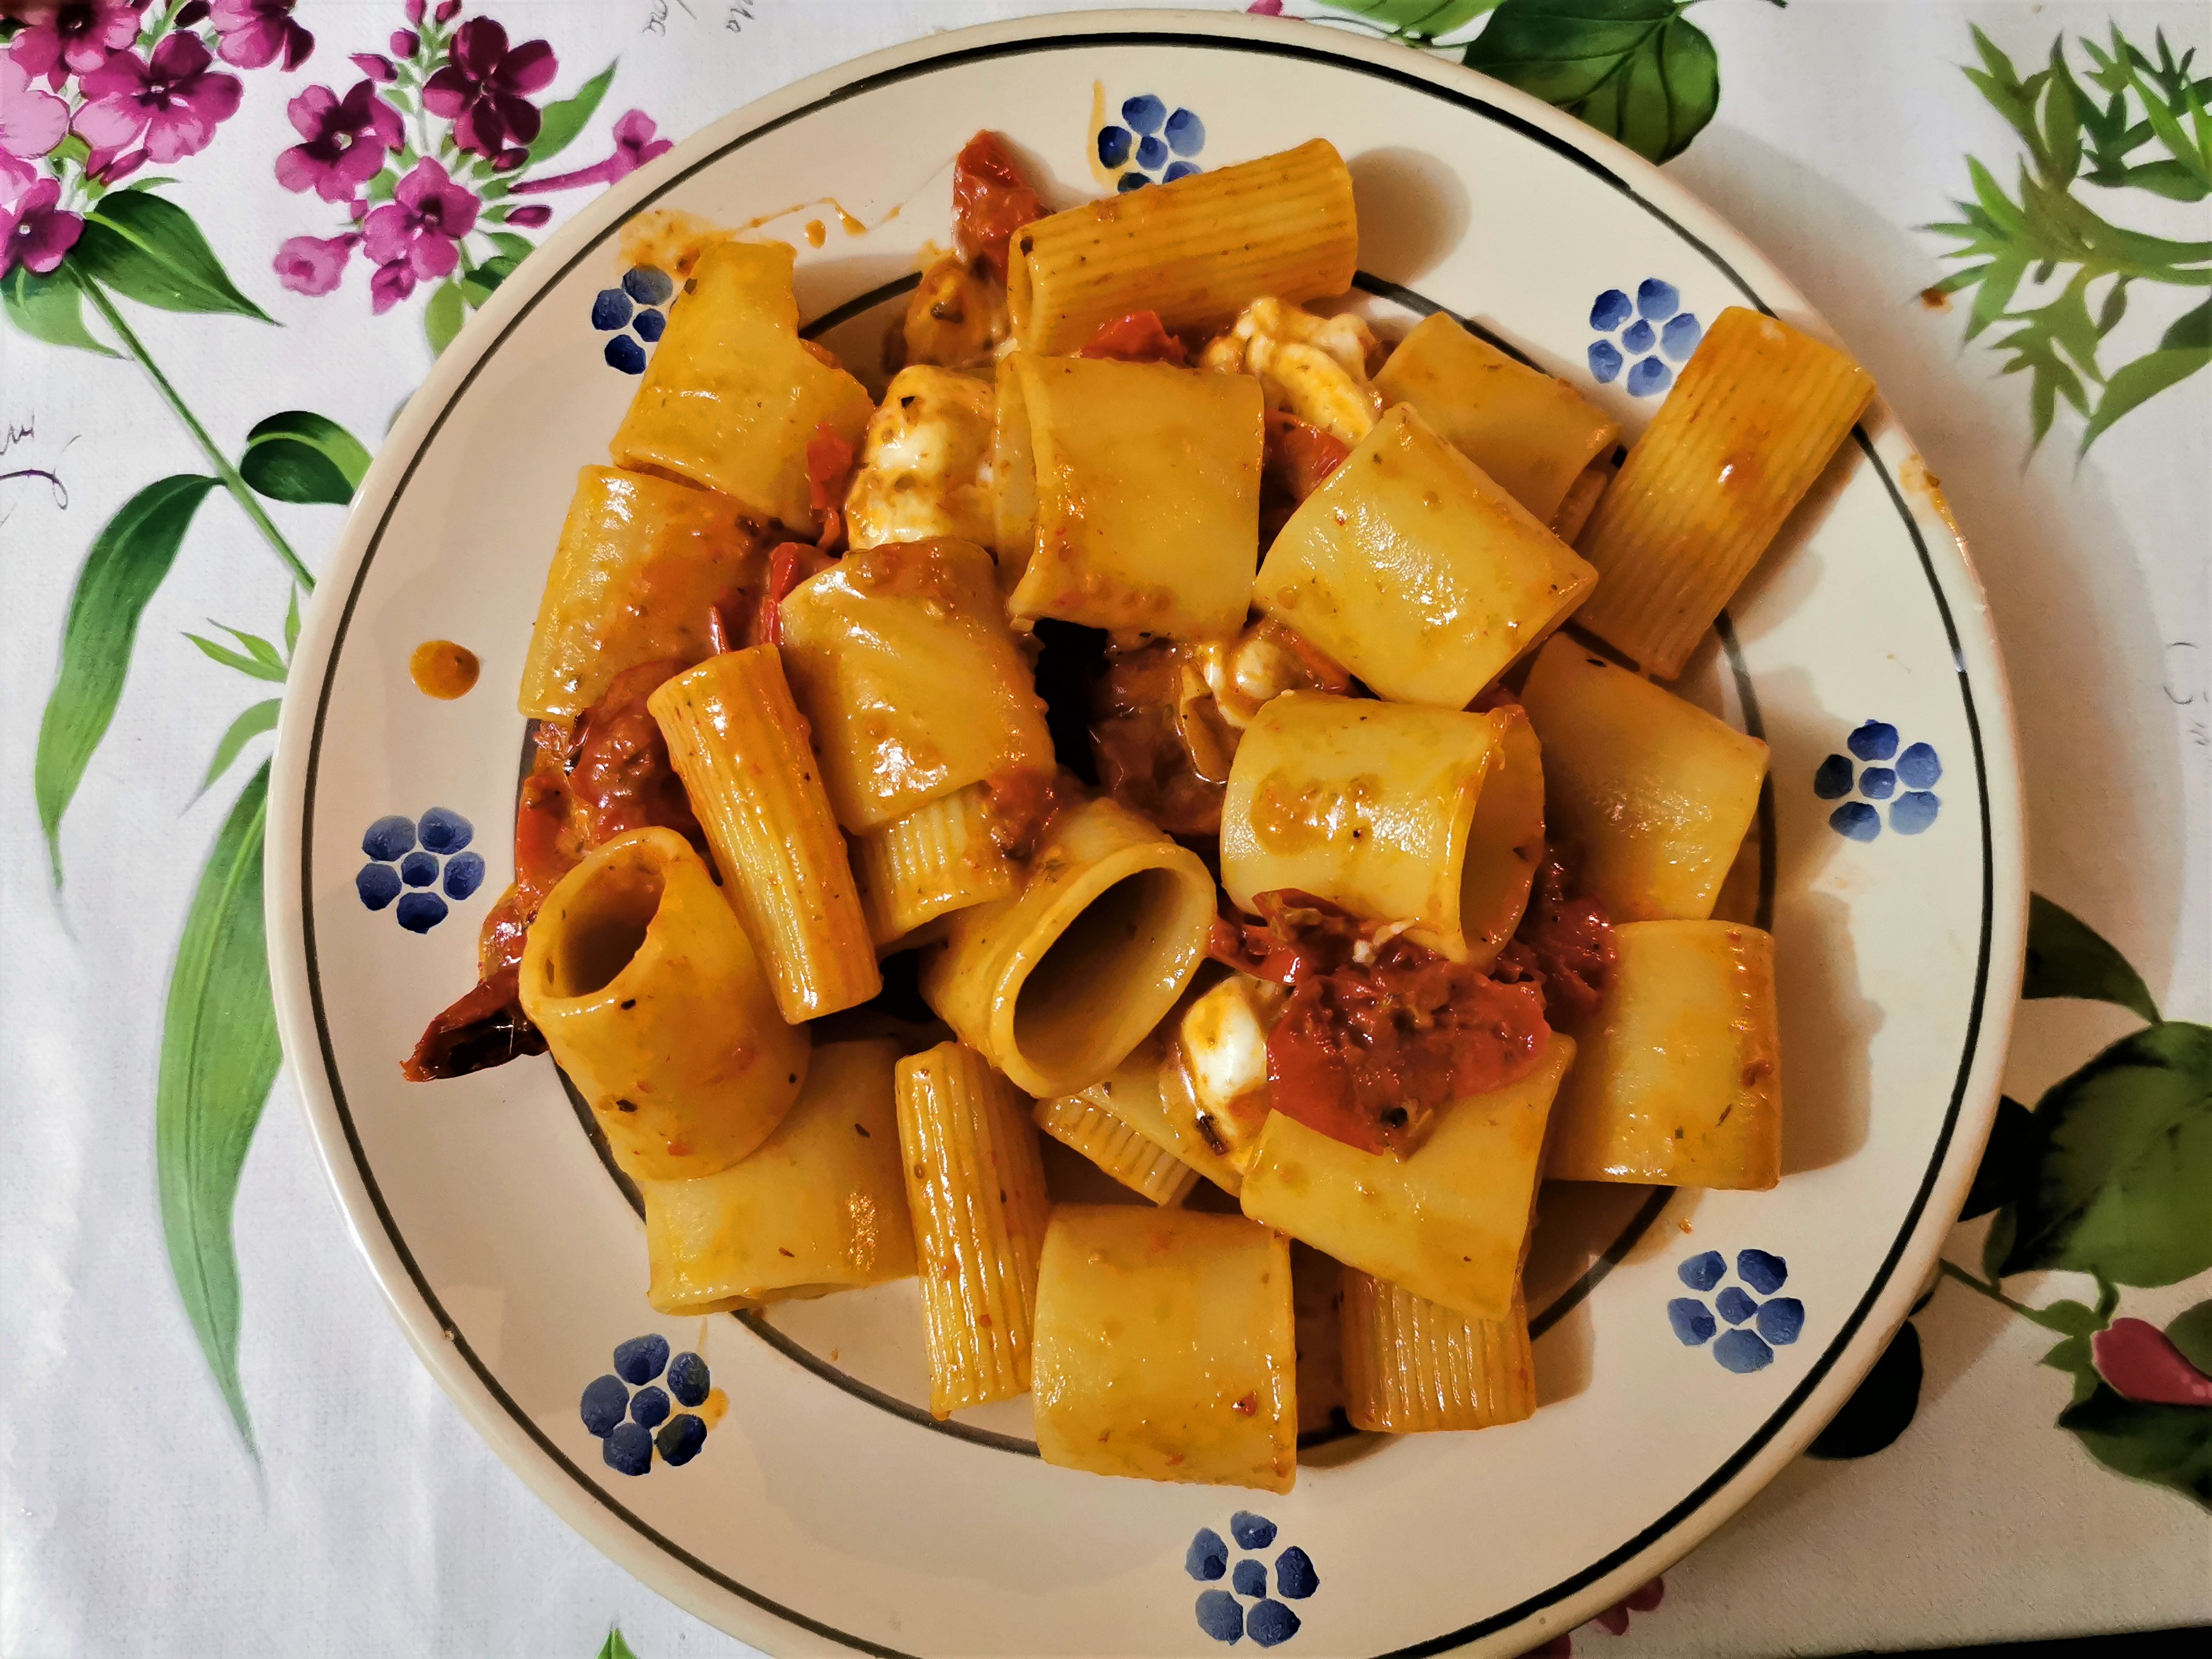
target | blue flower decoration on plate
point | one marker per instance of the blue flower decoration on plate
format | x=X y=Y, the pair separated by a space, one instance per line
x=417 y=866
x=634 y=1408
x=1647 y=336
x=1257 y=1601
x=639 y=308
x=1881 y=769
x=1151 y=144
x=1753 y=1321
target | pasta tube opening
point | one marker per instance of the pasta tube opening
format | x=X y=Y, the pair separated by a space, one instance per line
x=606 y=928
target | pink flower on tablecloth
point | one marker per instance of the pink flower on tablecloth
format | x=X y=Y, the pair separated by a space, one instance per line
x=529 y=218
x=313 y=265
x=421 y=226
x=75 y=38
x=1266 y=8
x=2141 y=1363
x=346 y=141
x=32 y=122
x=172 y=99
x=483 y=86
x=376 y=66
x=34 y=232
x=405 y=43
x=635 y=145
x=254 y=33
x=391 y=283
x=112 y=167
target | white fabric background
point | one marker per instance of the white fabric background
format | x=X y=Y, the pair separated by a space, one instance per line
x=132 y=1520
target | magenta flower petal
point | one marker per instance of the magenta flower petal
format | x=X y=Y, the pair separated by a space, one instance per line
x=529 y=67
x=405 y=43
x=33 y=232
x=375 y=66
x=529 y=218
x=478 y=46
x=254 y=33
x=483 y=86
x=32 y=121
x=447 y=92
x=313 y=265
x=76 y=38
x=2142 y=1364
x=391 y=283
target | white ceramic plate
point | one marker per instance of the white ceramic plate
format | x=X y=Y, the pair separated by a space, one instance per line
x=1690 y=1343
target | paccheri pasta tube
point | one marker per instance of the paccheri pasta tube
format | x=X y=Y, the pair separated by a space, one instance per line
x=732 y=396
x=1057 y=983
x=1679 y=1080
x=1412 y=1366
x=1530 y=431
x=1365 y=804
x=1080 y=1123
x=1505 y=841
x=924 y=465
x=977 y=1192
x=1411 y=568
x=820 y=1206
x=653 y=1000
x=1653 y=793
x=1164 y=1347
x=1759 y=411
x=1450 y=1221
x=737 y=740
x=641 y=563
x=1194 y=250
x=1143 y=493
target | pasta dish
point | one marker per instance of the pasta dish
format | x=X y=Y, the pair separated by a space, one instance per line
x=1174 y=728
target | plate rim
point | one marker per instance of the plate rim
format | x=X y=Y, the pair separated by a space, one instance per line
x=634 y=1544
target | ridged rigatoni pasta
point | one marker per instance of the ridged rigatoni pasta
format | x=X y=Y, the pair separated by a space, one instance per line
x=1757 y=414
x=738 y=742
x=1532 y=432
x=1412 y=1366
x=1365 y=804
x=732 y=396
x=975 y=1189
x=937 y=859
x=1149 y=1091
x=1081 y=1124
x=1165 y=1348
x=1057 y=983
x=1194 y=250
x=1678 y=1078
x=1144 y=493
x=1450 y=1221
x=1414 y=570
x=924 y=465
x=1653 y=793
x=1504 y=840
x=654 y=1001
x=639 y=562
x=821 y=1205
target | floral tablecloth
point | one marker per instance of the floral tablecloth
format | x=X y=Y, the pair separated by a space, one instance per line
x=233 y=234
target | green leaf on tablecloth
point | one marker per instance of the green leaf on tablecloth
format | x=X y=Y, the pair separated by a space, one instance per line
x=1996 y=1244
x=292 y=622
x=2074 y=1357
x=261 y=717
x=384 y=186
x=2185 y=348
x=2190 y=1332
x=2126 y=1165
x=517 y=246
x=2171 y=1445
x=1417 y=20
x=147 y=248
x=49 y=308
x=479 y=284
x=260 y=659
x=300 y=456
x=1638 y=70
x=443 y=316
x=128 y=560
x=1881 y=1407
x=2068 y=1318
x=2007 y=1165
x=2067 y=957
x=219 y=1056
x=614 y=1648
x=559 y=123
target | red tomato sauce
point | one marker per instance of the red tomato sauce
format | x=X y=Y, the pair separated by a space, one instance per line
x=1139 y=337
x=1564 y=946
x=991 y=200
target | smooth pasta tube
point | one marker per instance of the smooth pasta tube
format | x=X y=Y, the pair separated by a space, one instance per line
x=1759 y=411
x=1081 y=1124
x=1504 y=840
x=738 y=744
x=1450 y=1221
x=1679 y=1081
x=641 y=562
x=732 y=396
x=1532 y=432
x=1195 y=250
x=975 y=1189
x=1412 y=1367
x=1653 y=793
x=938 y=859
x=1411 y=568
x=1365 y=804
x=655 y=1003
x=902 y=661
x=1143 y=495
x=1164 y=1347
x=821 y=1206
x=1057 y=983
x=924 y=465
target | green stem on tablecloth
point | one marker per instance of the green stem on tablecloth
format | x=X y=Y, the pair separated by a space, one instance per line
x=1983 y=1287
x=240 y=491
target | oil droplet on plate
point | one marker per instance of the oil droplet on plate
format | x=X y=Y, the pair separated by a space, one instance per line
x=443 y=669
x=816 y=233
x=713 y=1407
